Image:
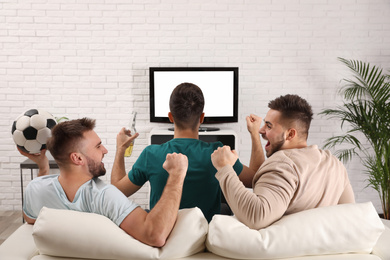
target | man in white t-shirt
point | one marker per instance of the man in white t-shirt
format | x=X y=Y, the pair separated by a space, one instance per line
x=78 y=151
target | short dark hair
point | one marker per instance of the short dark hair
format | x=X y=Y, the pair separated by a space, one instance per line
x=66 y=136
x=186 y=105
x=294 y=110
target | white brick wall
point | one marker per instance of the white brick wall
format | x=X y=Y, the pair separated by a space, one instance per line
x=90 y=58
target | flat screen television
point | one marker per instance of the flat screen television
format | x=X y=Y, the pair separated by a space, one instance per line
x=219 y=86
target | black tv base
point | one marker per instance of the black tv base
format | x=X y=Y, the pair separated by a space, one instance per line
x=201 y=129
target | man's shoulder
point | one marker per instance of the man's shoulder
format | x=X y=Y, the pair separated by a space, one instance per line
x=190 y=147
x=43 y=188
x=294 y=155
x=44 y=180
x=183 y=142
x=152 y=149
x=297 y=153
x=99 y=188
x=308 y=155
x=98 y=183
x=213 y=145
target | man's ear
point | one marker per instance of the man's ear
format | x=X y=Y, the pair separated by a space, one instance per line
x=76 y=158
x=201 y=118
x=170 y=116
x=291 y=133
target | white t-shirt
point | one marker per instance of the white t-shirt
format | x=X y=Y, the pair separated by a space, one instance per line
x=94 y=196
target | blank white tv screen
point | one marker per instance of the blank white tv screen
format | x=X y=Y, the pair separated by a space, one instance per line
x=217 y=88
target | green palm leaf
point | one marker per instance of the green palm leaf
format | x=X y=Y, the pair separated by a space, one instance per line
x=365 y=110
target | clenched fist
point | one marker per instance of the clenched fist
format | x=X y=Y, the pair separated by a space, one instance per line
x=176 y=164
x=223 y=156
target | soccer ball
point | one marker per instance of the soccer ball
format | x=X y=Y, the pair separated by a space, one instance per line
x=31 y=130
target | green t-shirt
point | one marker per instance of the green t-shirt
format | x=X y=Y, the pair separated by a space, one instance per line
x=201 y=188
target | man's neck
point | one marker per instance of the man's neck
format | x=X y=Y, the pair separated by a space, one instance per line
x=186 y=133
x=71 y=182
x=297 y=145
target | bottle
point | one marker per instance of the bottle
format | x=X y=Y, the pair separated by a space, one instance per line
x=129 y=149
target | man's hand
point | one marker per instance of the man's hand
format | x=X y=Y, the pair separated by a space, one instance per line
x=118 y=173
x=253 y=123
x=40 y=159
x=223 y=156
x=124 y=139
x=176 y=164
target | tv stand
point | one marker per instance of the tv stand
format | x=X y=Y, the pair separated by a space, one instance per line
x=201 y=129
x=225 y=136
x=208 y=129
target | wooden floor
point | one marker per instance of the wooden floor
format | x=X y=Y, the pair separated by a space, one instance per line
x=9 y=222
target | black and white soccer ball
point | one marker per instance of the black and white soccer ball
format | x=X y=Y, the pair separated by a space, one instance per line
x=31 y=130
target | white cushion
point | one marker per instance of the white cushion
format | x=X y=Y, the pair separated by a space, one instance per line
x=211 y=256
x=346 y=228
x=382 y=248
x=19 y=245
x=86 y=235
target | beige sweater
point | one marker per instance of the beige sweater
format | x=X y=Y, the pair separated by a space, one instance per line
x=289 y=181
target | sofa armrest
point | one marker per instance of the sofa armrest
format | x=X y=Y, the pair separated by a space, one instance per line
x=20 y=245
x=382 y=248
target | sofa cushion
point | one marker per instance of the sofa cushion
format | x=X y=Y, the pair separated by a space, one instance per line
x=211 y=256
x=19 y=245
x=382 y=248
x=346 y=228
x=87 y=235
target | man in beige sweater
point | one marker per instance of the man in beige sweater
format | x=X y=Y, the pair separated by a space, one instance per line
x=295 y=177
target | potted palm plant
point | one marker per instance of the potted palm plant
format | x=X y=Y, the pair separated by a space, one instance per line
x=365 y=114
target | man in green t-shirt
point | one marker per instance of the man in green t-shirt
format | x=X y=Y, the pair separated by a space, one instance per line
x=201 y=188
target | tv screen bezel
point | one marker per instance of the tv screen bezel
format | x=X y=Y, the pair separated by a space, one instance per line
x=207 y=119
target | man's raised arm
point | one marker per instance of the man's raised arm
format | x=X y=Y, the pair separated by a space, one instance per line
x=118 y=174
x=153 y=228
x=257 y=154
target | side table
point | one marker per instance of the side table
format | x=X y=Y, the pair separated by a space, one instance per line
x=29 y=164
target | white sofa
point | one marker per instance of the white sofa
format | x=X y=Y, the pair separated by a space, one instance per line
x=351 y=231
